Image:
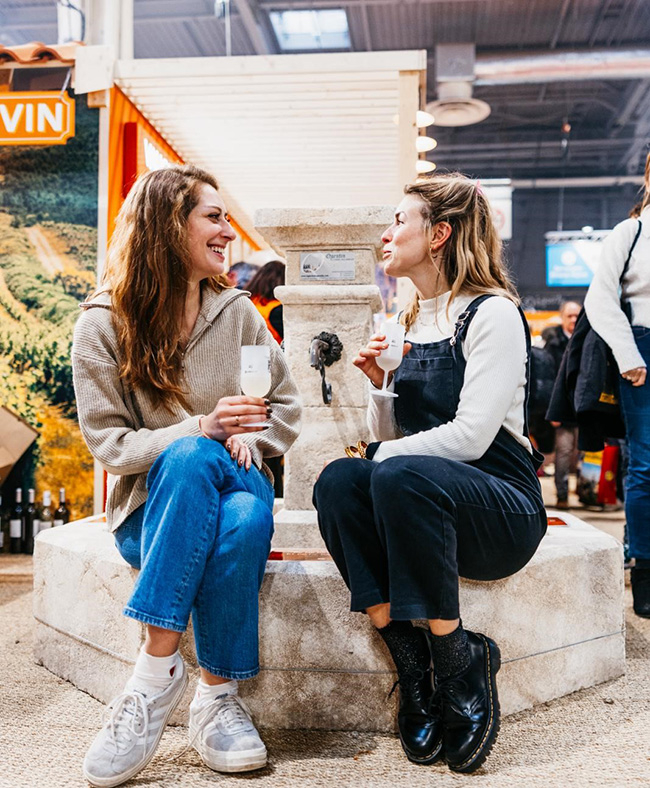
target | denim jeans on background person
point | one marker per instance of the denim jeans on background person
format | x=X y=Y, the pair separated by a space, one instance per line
x=201 y=542
x=635 y=403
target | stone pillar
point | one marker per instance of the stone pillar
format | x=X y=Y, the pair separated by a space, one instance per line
x=330 y=286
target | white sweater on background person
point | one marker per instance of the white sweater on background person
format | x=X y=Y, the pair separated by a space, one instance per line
x=602 y=303
x=493 y=391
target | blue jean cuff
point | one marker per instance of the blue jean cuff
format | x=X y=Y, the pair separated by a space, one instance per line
x=229 y=674
x=359 y=602
x=162 y=623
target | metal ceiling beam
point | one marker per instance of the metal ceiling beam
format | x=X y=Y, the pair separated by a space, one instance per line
x=560 y=22
x=261 y=40
x=602 y=181
x=632 y=104
x=633 y=159
x=599 y=16
x=471 y=147
x=27 y=17
x=154 y=9
x=365 y=24
x=290 y=5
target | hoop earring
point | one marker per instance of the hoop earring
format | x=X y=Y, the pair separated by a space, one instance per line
x=434 y=260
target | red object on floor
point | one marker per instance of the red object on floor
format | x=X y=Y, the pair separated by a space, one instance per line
x=300 y=554
x=608 y=471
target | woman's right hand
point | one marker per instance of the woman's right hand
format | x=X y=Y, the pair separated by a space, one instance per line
x=636 y=376
x=366 y=360
x=231 y=415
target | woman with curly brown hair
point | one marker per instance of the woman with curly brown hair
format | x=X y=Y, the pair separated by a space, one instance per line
x=449 y=487
x=156 y=361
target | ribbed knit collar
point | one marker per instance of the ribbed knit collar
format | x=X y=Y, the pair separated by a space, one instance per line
x=431 y=307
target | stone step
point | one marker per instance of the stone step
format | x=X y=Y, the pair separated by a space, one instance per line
x=559 y=623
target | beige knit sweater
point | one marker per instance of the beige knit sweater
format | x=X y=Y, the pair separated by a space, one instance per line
x=123 y=430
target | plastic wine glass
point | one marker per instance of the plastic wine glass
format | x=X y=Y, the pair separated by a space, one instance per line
x=391 y=357
x=255 y=374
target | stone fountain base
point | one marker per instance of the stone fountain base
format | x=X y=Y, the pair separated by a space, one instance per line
x=559 y=623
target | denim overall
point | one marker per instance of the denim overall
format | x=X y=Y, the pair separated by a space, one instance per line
x=428 y=383
x=403 y=530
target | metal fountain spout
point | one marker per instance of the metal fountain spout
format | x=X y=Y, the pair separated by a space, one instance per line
x=325 y=349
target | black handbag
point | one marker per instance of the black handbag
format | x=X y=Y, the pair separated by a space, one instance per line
x=587 y=385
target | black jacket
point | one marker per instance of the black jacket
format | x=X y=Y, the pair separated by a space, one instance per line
x=586 y=389
x=556 y=344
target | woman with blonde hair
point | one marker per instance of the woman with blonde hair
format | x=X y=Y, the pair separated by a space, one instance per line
x=449 y=487
x=156 y=362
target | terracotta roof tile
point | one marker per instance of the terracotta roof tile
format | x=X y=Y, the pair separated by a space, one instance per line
x=39 y=53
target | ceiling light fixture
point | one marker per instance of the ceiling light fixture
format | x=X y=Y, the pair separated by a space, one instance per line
x=423 y=144
x=422 y=166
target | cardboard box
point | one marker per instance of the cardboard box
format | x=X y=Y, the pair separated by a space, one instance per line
x=16 y=436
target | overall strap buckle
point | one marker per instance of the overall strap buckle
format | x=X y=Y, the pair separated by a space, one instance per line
x=459 y=326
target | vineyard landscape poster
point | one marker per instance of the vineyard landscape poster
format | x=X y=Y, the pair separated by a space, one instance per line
x=48 y=253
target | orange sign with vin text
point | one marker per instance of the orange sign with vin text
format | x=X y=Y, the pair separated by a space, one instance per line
x=45 y=118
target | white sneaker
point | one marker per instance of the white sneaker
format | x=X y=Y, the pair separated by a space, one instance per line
x=133 y=726
x=223 y=734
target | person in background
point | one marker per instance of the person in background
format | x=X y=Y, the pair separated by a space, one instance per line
x=262 y=289
x=566 y=435
x=239 y=274
x=156 y=364
x=448 y=488
x=628 y=335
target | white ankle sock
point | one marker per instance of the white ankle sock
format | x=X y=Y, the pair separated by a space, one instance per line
x=207 y=692
x=152 y=675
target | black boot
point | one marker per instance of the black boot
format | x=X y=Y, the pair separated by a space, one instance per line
x=420 y=729
x=640 y=577
x=470 y=707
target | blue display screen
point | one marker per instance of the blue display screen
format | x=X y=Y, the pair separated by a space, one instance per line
x=572 y=263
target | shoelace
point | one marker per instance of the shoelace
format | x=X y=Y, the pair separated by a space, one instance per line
x=228 y=709
x=448 y=690
x=409 y=679
x=123 y=717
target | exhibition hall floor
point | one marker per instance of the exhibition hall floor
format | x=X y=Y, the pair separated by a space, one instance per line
x=594 y=737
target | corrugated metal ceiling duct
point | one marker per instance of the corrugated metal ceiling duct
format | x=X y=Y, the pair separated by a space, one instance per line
x=567 y=66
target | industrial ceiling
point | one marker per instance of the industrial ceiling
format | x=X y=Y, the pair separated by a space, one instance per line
x=553 y=117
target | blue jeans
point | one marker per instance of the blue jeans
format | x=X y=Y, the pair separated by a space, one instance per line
x=201 y=542
x=635 y=403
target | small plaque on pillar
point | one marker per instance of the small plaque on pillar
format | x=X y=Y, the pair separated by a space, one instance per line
x=328 y=266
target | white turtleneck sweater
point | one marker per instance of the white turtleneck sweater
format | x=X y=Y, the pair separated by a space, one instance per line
x=602 y=303
x=493 y=391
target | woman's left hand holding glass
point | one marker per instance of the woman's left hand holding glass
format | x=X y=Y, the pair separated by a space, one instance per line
x=234 y=416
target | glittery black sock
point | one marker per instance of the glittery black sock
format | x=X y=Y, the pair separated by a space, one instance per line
x=450 y=653
x=408 y=647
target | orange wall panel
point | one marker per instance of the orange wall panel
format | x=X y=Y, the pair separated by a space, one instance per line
x=128 y=128
x=123 y=112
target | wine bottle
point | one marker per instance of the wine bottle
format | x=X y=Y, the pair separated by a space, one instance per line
x=46 y=511
x=30 y=523
x=16 y=523
x=4 y=529
x=62 y=513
